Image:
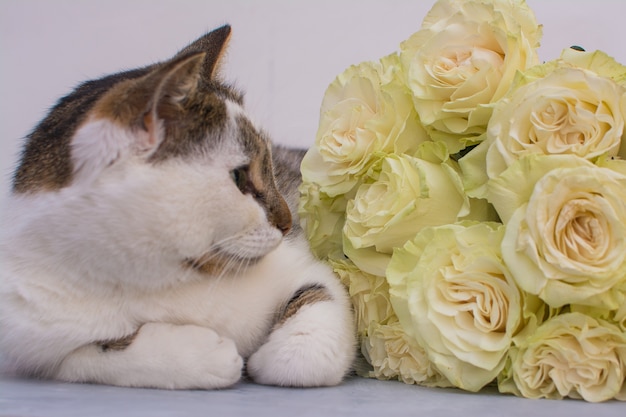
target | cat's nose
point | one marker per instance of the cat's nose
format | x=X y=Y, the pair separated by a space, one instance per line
x=285 y=224
x=285 y=227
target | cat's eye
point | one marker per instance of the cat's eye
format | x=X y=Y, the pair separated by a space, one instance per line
x=240 y=177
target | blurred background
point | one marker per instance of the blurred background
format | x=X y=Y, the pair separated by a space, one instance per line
x=283 y=53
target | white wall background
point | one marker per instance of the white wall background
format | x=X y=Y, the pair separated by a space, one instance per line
x=283 y=53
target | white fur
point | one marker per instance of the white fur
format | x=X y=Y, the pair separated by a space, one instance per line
x=95 y=263
x=180 y=356
x=98 y=143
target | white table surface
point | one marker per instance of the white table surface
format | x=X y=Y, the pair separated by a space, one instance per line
x=355 y=397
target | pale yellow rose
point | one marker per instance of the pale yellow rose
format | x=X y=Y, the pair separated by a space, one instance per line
x=570 y=355
x=453 y=294
x=598 y=62
x=463 y=60
x=515 y=13
x=366 y=112
x=615 y=316
x=575 y=105
x=384 y=345
x=369 y=295
x=393 y=355
x=407 y=194
x=619 y=316
x=565 y=237
x=322 y=219
x=570 y=111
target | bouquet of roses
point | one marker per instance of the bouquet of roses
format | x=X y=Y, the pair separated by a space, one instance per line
x=473 y=201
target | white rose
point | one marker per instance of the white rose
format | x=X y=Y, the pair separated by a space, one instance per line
x=366 y=112
x=322 y=219
x=406 y=194
x=570 y=111
x=464 y=59
x=454 y=295
x=574 y=105
x=565 y=234
x=394 y=355
x=369 y=295
x=570 y=355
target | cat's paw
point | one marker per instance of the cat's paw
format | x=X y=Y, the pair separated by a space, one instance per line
x=310 y=349
x=197 y=357
x=160 y=356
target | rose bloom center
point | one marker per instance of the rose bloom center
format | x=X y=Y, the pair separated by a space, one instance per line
x=580 y=231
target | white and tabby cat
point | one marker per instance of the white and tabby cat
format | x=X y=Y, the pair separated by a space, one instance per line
x=143 y=243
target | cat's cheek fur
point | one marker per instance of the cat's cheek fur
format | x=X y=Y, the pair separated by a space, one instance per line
x=100 y=142
x=196 y=222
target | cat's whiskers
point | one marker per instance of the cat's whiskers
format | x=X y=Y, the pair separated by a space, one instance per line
x=192 y=267
x=241 y=263
x=223 y=257
x=236 y=262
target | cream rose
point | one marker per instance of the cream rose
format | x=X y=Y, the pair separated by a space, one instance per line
x=384 y=344
x=369 y=294
x=515 y=14
x=405 y=195
x=570 y=111
x=454 y=295
x=598 y=62
x=615 y=316
x=463 y=60
x=574 y=105
x=566 y=240
x=366 y=112
x=393 y=355
x=570 y=355
x=322 y=219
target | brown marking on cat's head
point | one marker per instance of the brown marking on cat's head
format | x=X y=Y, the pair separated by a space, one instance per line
x=151 y=103
x=259 y=176
x=45 y=163
x=46 y=160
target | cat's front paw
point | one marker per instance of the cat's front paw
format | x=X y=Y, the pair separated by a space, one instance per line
x=311 y=349
x=209 y=359
x=159 y=356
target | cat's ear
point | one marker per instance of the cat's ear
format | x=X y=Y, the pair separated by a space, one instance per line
x=131 y=118
x=214 y=45
x=172 y=84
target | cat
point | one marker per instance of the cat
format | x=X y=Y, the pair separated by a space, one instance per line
x=151 y=239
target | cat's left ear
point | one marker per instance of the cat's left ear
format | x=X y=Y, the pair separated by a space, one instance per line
x=213 y=45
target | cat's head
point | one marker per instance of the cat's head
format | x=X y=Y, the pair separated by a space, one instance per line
x=162 y=158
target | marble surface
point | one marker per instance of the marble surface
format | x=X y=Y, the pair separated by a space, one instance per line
x=355 y=397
